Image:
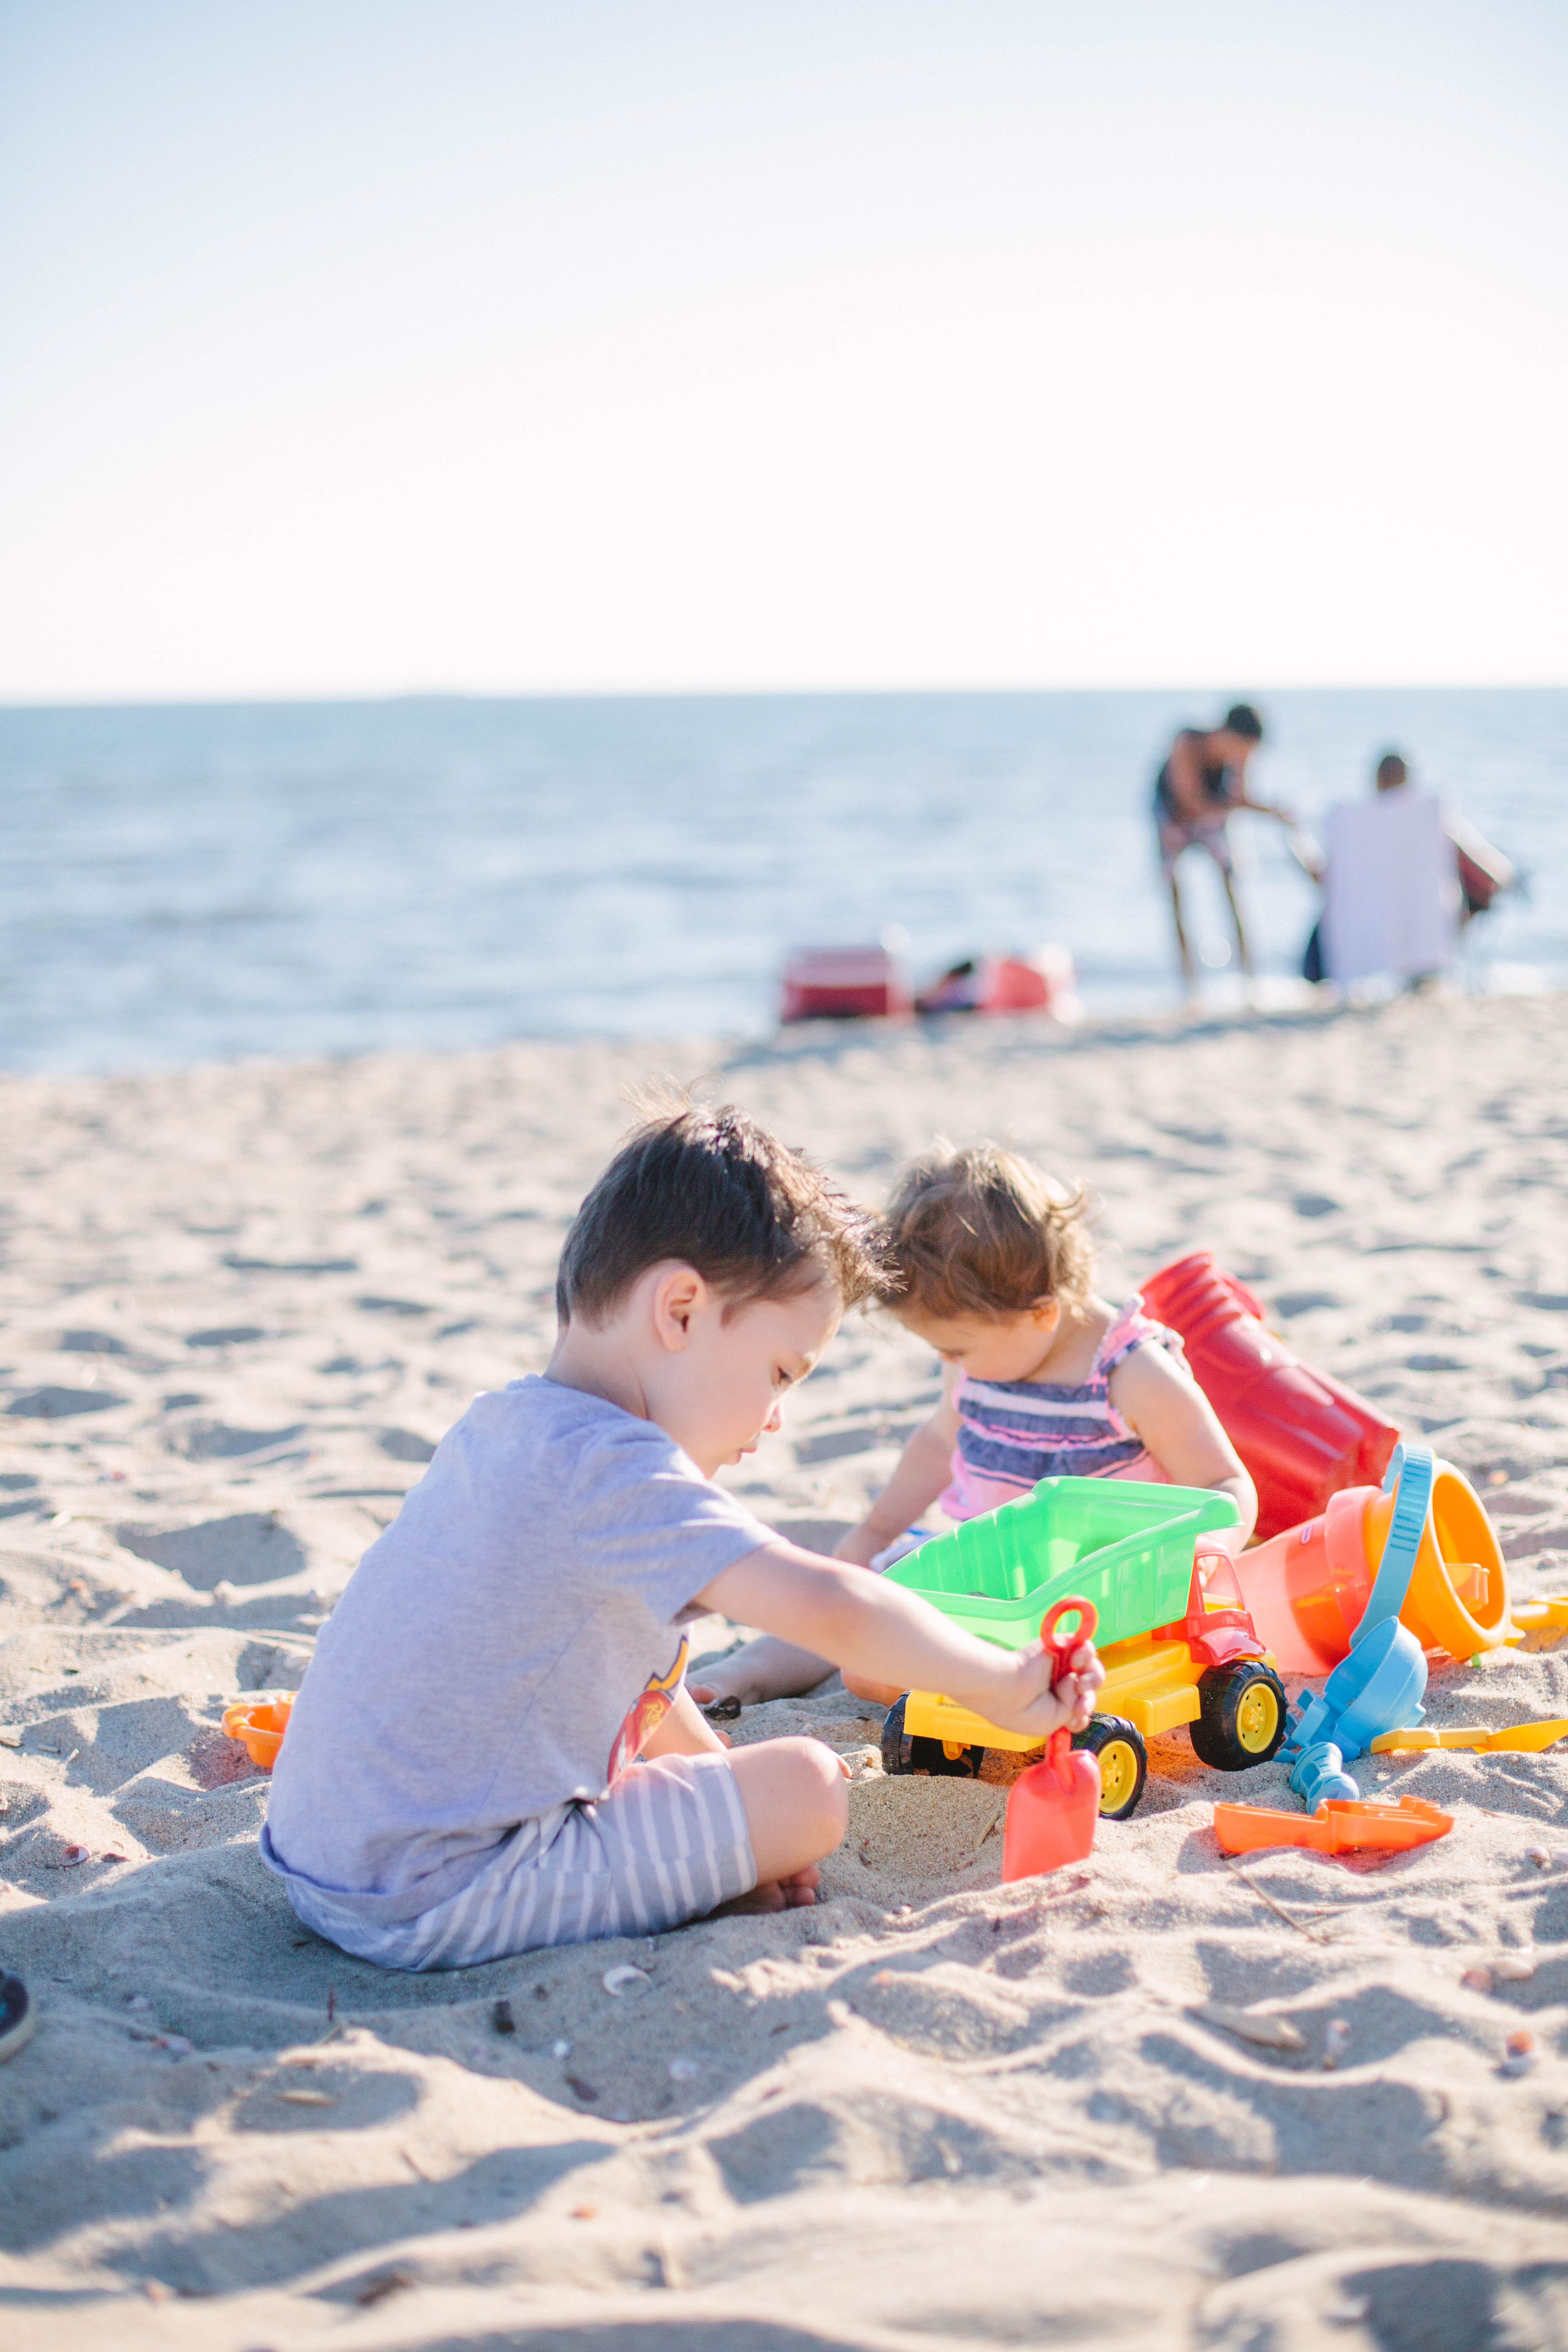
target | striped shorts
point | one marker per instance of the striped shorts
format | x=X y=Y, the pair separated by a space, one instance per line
x=670 y=1842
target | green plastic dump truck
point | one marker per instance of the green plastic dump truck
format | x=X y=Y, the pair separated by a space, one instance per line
x=1177 y=1643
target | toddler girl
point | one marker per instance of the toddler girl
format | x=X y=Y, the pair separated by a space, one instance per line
x=1042 y=1378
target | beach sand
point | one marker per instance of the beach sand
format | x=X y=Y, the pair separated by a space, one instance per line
x=240 y=1305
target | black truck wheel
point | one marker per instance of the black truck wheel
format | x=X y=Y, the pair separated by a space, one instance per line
x=1244 y=1716
x=903 y=1751
x=1123 y=1762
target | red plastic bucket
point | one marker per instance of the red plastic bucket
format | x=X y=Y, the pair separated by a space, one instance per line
x=1301 y=1436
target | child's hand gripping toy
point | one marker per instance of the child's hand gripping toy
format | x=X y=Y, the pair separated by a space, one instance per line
x=1055 y=1805
x=1176 y=1644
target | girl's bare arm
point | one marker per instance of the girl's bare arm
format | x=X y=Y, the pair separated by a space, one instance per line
x=1165 y=1407
x=922 y=1474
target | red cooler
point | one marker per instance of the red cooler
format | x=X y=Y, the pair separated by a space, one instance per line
x=843 y=984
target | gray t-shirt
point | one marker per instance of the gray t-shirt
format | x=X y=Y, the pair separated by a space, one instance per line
x=506 y=1646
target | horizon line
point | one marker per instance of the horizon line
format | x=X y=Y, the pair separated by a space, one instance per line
x=386 y=697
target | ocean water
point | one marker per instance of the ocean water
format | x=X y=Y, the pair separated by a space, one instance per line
x=186 y=883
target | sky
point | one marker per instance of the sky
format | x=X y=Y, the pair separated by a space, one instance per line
x=370 y=347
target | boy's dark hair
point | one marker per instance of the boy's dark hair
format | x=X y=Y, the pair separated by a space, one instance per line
x=1392 y=773
x=715 y=1190
x=1242 y=720
x=982 y=1231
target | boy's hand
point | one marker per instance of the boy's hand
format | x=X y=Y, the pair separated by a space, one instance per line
x=880 y=1635
x=1076 y=1691
x=1025 y=1699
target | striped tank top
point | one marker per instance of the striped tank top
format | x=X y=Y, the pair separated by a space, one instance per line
x=1011 y=1434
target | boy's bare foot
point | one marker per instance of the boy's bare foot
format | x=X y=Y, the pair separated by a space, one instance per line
x=761 y=1669
x=791 y=1893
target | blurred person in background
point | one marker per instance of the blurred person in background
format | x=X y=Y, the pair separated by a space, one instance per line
x=1205 y=778
x=1484 y=872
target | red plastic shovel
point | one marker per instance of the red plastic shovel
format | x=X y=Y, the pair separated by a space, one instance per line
x=1055 y=1805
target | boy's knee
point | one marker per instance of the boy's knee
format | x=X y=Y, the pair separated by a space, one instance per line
x=824 y=1793
x=796 y=1801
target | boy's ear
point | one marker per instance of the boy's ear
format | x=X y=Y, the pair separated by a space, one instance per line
x=677 y=1295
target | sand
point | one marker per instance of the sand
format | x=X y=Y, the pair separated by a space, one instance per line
x=239 y=1306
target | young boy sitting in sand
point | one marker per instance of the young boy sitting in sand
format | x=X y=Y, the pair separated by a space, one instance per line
x=1042 y=1378
x=493 y=1748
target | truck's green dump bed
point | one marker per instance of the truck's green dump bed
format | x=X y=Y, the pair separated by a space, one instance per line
x=1126 y=1546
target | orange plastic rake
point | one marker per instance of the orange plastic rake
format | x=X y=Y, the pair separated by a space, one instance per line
x=1337 y=1827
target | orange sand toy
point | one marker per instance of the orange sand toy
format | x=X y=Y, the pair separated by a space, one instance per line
x=1336 y=1827
x=1307 y=1590
x=1530 y=1736
x=260 y=1724
x=1549 y=1613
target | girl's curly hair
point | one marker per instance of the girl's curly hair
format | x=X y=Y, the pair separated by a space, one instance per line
x=982 y=1231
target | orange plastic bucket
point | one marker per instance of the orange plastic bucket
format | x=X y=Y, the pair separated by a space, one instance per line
x=1306 y=1589
x=260 y=1724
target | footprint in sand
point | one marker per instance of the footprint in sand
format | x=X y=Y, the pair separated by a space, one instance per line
x=215 y=1440
x=59 y=1404
x=249 y=1548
